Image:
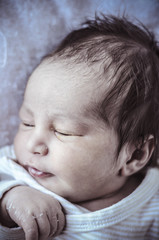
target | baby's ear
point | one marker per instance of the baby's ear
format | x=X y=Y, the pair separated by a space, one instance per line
x=136 y=159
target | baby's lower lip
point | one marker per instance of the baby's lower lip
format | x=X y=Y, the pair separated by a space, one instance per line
x=37 y=173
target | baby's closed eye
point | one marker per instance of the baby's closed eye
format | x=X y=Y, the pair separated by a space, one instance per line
x=60 y=134
x=28 y=124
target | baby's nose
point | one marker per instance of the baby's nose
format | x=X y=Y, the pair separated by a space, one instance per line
x=41 y=149
x=37 y=143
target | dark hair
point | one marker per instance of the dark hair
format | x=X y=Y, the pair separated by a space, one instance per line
x=133 y=54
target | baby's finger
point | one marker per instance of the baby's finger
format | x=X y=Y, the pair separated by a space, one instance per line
x=57 y=224
x=53 y=224
x=43 y=226
x=60 y=223
x=30 y=228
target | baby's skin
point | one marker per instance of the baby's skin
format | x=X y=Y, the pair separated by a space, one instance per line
x=39 y=214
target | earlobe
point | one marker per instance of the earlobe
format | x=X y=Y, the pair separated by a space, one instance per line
x=137 y=158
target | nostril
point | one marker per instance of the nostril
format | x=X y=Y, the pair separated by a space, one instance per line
x=37 y=153
x=42 y=150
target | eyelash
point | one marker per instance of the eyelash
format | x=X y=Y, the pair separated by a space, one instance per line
x=68 y=134
x=64 y=134
x=28 y=125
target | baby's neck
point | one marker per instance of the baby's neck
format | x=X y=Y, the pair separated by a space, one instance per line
x=106 y=201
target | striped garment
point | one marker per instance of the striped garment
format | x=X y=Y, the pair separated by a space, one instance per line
x=134 y=217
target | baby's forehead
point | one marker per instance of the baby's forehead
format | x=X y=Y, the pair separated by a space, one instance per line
x=79 y=81
x=74 y=82
x=80 y=75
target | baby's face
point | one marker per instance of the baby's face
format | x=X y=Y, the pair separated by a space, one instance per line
x=60 y=143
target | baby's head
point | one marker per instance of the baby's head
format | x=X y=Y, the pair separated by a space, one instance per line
x=125 y=60
x=91 y=110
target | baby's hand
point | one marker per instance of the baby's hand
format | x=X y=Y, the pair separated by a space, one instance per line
x=39 y=214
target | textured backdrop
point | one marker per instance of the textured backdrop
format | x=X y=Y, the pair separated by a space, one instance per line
x=29 y=29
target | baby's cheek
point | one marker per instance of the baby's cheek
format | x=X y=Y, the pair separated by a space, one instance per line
x=16 y=144
x=19 y=144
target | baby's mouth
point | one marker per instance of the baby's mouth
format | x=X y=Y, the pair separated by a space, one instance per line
x=37 y=173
